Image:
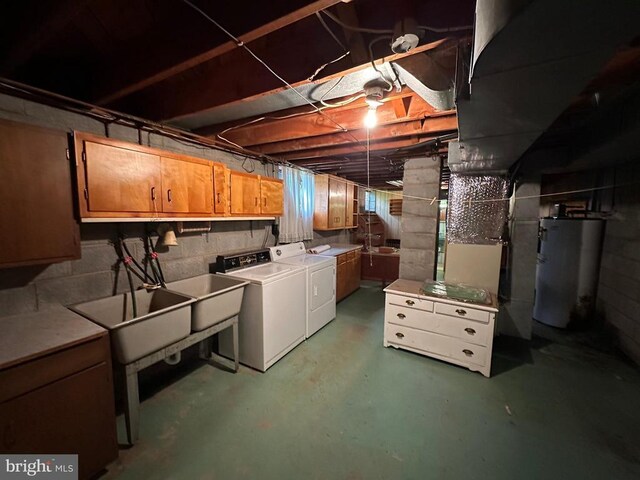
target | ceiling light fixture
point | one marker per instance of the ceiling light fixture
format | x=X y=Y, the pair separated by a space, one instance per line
x=373 y=94
x=370 y=119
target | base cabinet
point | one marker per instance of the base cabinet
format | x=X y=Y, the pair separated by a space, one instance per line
x=347 y=273
x=62 y=403
x=442 y=328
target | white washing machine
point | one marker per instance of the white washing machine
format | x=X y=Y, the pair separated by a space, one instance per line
x=320 y=285
x=272 y=316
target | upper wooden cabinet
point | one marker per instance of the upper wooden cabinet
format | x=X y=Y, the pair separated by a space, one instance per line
x=119 y=180
x=220 y=188
x=187 y=186
x=256 y=195
x=333 y=203
x=245 y=193
x=36 y=204
x=272 y=196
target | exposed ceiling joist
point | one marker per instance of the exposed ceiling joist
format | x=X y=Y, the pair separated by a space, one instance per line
x=430 y=125
x=150 y=79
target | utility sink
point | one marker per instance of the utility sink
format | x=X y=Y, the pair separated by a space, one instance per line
x=164 y=317
x=217 y=298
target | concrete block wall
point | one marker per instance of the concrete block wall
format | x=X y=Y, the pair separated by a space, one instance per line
x=515 y=316
x=98 y=273
x=421 y=182
x=619 y=284
x=29 y=289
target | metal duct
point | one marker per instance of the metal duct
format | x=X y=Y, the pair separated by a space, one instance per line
x=530 y=59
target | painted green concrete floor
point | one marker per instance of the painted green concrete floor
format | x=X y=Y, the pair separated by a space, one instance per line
x=341 y=406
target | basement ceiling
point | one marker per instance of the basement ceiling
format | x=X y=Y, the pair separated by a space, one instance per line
x=167 y=62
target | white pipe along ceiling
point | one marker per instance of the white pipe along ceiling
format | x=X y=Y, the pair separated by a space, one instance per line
x=530 y=59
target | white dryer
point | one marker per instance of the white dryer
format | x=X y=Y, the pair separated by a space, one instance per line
x=272 y=316
x=320 y=285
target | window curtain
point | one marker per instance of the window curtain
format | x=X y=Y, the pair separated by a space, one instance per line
x=296 y=224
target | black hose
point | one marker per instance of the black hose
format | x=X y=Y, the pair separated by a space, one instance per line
x=157 y=259
x=125 y=261
x=138 y=266
x=151 y=259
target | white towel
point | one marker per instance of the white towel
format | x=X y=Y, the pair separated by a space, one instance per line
x=320 y=249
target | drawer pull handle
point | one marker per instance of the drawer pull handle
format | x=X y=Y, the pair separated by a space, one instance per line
x=410 y=302
x=400 y=335
x=470 y=331
x=402 y=315
x=467 y=352
x=460 y=311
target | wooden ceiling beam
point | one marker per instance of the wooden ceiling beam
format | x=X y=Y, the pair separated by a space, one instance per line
x=297 y=113
x=349 y=149
x=234 y=78
x=444 y=123
x=314 y=124
x=180 y=67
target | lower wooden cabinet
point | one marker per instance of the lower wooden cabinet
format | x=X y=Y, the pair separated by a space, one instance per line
x=449 y=330
x=62 y=403
x=347 y=273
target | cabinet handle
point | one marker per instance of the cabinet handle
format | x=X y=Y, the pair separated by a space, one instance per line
x=460 y=311
x=410 y=302
x=467 y=352
x=400 y=335
x=169 y=194
x=218 y=196
x=402 y=315
x=470 y=331
x=256 y=203
x=265 y=201
x=153 y=193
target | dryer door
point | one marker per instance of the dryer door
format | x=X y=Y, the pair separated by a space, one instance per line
x=322 y=287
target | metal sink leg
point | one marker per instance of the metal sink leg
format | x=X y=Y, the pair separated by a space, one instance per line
x=132 y=403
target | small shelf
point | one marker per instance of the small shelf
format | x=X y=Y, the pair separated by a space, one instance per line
x=395 y=206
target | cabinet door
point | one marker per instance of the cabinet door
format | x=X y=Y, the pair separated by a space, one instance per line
x=245 y=193
x=356 y=271
x=121 y=180
x=36 y=202
x=220 y=188
x=342 y=277
x=348 y=219
x=272 y=196
x=187 y=187
x=337 y=202
x=74 y=415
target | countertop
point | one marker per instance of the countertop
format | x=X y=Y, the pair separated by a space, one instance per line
x=374 y=251
x=23 y=337
x=413 y=288
x=339 y=249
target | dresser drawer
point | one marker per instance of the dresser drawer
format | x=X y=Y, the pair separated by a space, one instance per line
x=417 y=303
x=462 y=311
x=471 y=332
x=437 y=344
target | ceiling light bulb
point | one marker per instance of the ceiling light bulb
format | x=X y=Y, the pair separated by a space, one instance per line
x=370 y=119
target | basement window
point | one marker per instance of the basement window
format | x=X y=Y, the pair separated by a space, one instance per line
x=369 y=201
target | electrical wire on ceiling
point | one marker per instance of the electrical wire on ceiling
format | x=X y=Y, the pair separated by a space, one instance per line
x=241 y=44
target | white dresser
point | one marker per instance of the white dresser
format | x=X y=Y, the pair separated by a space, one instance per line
x=449 y=330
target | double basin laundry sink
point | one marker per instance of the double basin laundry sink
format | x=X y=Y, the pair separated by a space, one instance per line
x=165 y=316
